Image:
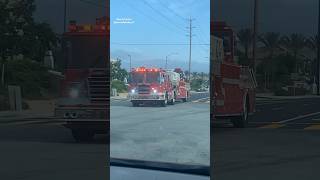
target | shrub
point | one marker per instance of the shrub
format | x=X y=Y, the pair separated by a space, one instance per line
x=31 y=76
x=119 y=85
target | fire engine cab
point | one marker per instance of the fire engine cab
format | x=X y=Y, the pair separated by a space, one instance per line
x=157 y=86
x=233 y=85
x=84 y=101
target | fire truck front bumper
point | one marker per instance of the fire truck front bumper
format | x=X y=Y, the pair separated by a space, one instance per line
x=146 y=97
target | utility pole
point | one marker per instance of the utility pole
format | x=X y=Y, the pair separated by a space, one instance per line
x=318 y=53
x=255 y=35
x=65 y=16
x=190 y=45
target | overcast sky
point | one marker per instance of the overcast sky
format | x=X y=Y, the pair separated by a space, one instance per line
x=52 y=11
x=284 y=16
x=161 y=22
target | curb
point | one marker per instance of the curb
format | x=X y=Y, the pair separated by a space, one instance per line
x=21 y=117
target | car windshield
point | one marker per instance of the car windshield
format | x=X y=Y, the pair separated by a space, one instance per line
x=152 y=77
x=158 y=115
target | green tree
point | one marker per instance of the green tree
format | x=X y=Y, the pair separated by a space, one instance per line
x=20 y=34
x=294 y=44
x=38 y=40
x=271 y=42
x=312 y=44
x=118 y=73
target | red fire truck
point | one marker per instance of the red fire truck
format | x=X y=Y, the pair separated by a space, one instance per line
x=233 y=85
x=84 y=98
x=157 y=86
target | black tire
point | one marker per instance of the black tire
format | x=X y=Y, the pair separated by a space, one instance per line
x=164 y=103
x=172 y=101
x=82 y=135
x=243 y=120
x=186 y=98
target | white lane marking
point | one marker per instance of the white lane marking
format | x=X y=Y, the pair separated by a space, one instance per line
x=199 y=100
x=299 y=117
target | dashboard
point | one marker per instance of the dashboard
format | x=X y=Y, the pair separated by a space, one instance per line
x=125 y=173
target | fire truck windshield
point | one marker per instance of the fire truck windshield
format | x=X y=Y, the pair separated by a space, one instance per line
x=145 y=77
x=152 y=77
x=137 y=77
x=83 y=52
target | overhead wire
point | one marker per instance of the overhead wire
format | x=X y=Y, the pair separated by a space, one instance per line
x=162 y=15
x=154 y=20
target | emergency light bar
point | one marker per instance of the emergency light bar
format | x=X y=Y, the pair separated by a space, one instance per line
x=143 y=69
x=100 y=26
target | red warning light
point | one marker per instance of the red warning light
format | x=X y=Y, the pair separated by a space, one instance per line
x=141 y=69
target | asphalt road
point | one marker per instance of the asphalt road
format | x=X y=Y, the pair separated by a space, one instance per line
x=177 y=133
x=37 y=149
x=33 y=150
x=282 y=142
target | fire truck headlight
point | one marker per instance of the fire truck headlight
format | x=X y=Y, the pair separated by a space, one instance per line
x=155 y=91
x=74 y=93
x=133 y=91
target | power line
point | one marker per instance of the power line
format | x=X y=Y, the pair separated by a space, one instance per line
x=201 y=39
x=172 y=11
x=162 y=15
x=150 y=17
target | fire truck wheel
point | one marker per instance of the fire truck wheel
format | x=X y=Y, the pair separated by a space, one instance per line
x=164 y=103
x=186 y=98
x=242 y=121
x=172 y=101
x=82 y=135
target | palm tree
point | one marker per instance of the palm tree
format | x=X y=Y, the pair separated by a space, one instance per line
x=294 y=43
x=246 y=38
x=271 y=41
x=312 y=43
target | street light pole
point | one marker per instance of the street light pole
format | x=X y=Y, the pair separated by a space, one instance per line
x=130 y=62
x=166 y=67
x=255 y=35
x=65 y=16
x=318 y=53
